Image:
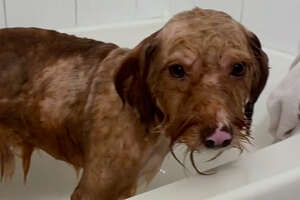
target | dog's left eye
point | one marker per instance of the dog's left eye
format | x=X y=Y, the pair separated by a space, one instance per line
x=177 y=71
x=238 y=69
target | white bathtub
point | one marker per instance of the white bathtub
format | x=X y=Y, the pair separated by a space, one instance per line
x=246 y=178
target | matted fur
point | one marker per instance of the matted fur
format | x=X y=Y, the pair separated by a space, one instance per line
x=117 y=112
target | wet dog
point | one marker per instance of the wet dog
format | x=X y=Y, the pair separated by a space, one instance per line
x=117 y=112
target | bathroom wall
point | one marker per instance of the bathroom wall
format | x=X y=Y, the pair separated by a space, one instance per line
x=275 y=22
x=2 y=19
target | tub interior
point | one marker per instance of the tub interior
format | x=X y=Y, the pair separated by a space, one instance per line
x=52 y=179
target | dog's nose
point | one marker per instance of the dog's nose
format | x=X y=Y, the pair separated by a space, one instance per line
x=220 y=138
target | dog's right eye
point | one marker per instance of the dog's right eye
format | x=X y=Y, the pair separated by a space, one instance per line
x=177 y=71
x=238 y=69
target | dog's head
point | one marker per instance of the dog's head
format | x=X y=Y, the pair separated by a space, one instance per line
x=197 y=79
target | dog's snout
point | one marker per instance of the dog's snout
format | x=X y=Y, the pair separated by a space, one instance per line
x=219 y=138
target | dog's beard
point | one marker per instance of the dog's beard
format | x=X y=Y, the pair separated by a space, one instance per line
x=244 y=134
x=176 y=129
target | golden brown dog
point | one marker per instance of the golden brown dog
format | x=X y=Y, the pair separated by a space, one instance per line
x=117 y=112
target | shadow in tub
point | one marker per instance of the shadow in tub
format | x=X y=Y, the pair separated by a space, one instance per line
x=47 y=179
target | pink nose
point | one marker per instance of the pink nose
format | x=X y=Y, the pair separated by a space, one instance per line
x=219 y=138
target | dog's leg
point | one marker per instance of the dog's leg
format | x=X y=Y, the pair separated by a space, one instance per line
x=110 y=171
x=104 y=184
x=7 y=158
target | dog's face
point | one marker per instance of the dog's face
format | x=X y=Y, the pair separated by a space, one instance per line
x=197 y=79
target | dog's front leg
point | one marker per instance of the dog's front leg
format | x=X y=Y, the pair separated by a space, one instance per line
x=110 y=171
x=112 y=182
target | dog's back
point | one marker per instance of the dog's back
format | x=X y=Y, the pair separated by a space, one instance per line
x=45 y=79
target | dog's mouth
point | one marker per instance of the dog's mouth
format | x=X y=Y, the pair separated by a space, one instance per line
x=218 y=140
x=213 y=134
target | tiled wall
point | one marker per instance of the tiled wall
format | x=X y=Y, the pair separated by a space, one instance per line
x=41 y=13
x=275 y=22
x=91 y=12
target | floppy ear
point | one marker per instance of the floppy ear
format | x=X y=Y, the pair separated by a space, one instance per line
x=261 y=74
x=131 y=79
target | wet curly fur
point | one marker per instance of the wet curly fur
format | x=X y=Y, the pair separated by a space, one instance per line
x=117 y=112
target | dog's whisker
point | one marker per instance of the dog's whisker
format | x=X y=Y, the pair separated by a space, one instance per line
x=186 y=153
x=240 y=148
x=176 y=158
x=195 y=167
x=216 y=156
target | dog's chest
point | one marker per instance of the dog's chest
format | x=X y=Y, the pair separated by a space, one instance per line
x=153 y=160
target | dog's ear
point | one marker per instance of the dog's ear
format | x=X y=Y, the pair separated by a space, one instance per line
x=131 y=79
x=261 y=73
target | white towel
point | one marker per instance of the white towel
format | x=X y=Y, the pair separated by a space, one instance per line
x=284 y=104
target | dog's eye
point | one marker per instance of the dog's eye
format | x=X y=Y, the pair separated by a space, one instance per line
x=238 y=69
x=177 y=71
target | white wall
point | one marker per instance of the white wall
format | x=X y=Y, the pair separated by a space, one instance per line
x=90 y=12
x=275 y=22
x=2 y=19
